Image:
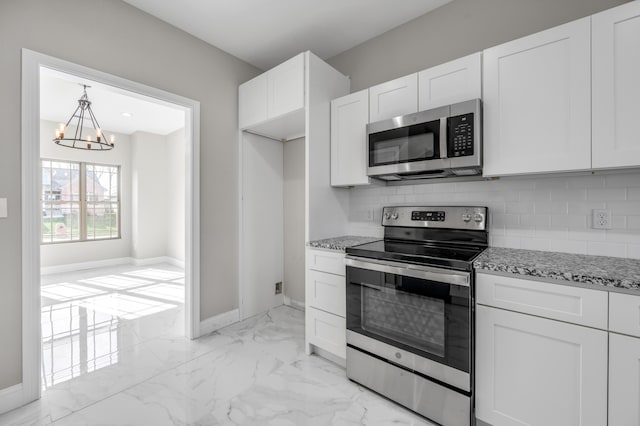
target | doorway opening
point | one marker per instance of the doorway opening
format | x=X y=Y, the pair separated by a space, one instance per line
x=116 y=235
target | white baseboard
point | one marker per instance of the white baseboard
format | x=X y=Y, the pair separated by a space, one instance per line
x=160 y=259
x=219 y=321
x=12 y=398
x=294 y=303
x=70 y=267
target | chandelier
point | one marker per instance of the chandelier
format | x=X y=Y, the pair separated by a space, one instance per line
x=78 y=141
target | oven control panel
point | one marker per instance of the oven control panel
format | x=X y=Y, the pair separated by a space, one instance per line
x=454 y=217
x=428 y=216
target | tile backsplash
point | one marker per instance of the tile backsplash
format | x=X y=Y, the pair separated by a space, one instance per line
x=538 y=213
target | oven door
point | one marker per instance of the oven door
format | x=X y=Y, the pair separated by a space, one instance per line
x=415 y=316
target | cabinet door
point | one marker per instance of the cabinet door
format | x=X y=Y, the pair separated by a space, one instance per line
x=624 y=380
x=393 y=98
x=349 y=118
x=455 y=81
x=326 y=292
x=537 y=103
x=616 y=86
x=252 y=101
x=286 y=86
x=326 y=331
x=539 y=372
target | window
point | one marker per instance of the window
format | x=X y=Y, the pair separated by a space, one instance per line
x=80 y=201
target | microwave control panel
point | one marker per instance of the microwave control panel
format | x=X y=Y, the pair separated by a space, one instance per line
x=428 y=216
x=461 y=135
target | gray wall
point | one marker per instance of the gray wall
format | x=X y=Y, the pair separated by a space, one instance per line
x=136 y=46
x=455 y=30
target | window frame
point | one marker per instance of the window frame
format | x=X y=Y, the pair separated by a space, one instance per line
x=83 y=201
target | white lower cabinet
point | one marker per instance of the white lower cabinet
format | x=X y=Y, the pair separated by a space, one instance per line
x=624 y=380
x=537 y=371
x=326 y=331
x=325 y=303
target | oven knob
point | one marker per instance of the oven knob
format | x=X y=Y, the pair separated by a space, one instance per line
x=466 y=217
x=478 y=218
x=394 y=216
x=398 y=355
x=387 y=216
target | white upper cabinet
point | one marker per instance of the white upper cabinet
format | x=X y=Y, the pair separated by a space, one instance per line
x=616 y=86
x=537 y=103
x=349 y=118
x=286 y=87
x=252 y=101
x=393 y=98
x=273 y=94
x=449 y=83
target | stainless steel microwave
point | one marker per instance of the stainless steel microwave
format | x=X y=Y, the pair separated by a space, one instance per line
x=437 y=143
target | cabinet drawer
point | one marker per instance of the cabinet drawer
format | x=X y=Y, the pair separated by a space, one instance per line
x=327 y=331
x=326 y=261
x=549 y=300
x=624 y=314
x=326 y=292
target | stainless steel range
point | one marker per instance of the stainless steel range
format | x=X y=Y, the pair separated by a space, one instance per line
x=410 y=310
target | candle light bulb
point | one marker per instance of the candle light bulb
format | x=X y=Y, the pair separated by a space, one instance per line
x=88 y=145
x=98 y=134
x=113 y=139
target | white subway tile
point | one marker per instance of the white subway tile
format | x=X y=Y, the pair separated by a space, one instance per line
x=508 y=242
x=404 y=189
x=618 y=222
x=535 y=195
x=606 y=194
x=556 y=207
x=587 y=235
x=568 y=246
x=553 y=233
x=518 y=208
x=568 y=194
x=624 y=207
x=633 y=251
x=606 y=249
x=623 y=180
x=534 y=244
x=543 y=221
x=633 y=194
x=589 y=181
x=633 y=222
x=584 y=207
x=556 y=183
x=569 y=221
x=519 y=231
x=500 y=219
x=627 y=237
x=395 y=199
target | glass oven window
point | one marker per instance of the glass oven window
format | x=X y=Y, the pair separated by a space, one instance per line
x=412 y=319
x=404 y=145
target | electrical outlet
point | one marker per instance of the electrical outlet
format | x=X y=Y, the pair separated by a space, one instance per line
x=279 y=287
x=601 y=219
x=370 y=215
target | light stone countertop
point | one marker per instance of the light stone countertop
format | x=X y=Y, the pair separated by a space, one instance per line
x=608 y=272
x=341 y=243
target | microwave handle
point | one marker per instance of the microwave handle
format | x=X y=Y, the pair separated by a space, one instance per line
x=443 y=137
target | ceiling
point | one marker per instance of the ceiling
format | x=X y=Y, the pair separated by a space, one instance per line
x=59 y=94
x=267 y=32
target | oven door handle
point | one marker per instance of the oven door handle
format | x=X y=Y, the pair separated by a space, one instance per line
x=409 y=270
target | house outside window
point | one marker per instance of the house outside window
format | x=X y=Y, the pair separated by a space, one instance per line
x=80 y=201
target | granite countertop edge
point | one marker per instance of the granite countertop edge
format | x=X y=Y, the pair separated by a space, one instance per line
x=339 y=244
x=601 y=271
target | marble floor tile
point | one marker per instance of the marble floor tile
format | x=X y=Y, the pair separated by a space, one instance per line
x=251 y=373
